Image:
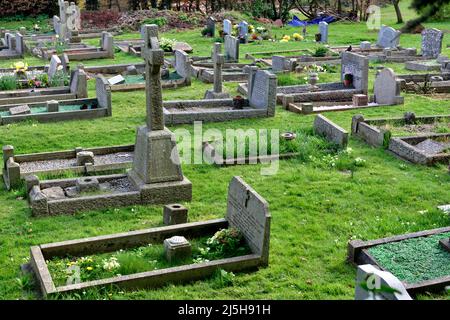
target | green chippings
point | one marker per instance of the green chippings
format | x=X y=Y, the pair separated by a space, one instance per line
x=414 y=260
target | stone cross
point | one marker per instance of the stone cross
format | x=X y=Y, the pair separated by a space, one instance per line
x=154 y=59
x=218 y=60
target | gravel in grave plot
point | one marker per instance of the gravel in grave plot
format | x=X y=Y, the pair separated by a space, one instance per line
x=198 y=109
x=414 y=260
x=121 y=185
x=55 y=164
x=424 y=129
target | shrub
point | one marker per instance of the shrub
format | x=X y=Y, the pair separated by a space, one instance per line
x=159 y=21
x=25 y=8
x=320 y=52
x=166 y=44
x=8 y=83
x=100 y=19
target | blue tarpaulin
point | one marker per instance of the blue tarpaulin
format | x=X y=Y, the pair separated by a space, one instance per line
x=296 y=22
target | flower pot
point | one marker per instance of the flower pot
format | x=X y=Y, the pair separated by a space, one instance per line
x=347 y=83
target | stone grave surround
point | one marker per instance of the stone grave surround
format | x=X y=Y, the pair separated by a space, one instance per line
x=358 y=66
x=431 y=43
x=14 y=45
x=246 y=211
x=388 y=37
x=369 y=273
x=156 y=158
x=387 y=88
x=331 y=131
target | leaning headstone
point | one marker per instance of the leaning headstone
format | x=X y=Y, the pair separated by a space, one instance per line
x=119 y=79
x=248 y=212
x=323 y=29
x=227 y=27
x=374 y=284
x=211 y=26
x=183 y=65
x=331 y=131
x=262 y=87
x=387 y=88
x=358 y=66
x=432 y=43
x=231 y=48
x=55 y=63
x=243 y=31
x=388 y=37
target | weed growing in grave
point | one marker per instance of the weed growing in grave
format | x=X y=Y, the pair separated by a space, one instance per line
x=8 y=83
x=320 y=52
x=287 y=79
x=223 y=278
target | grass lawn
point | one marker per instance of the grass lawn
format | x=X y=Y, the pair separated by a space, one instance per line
x=315 y=210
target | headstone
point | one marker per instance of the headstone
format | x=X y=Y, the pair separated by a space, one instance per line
x=107 y=43
x=19 y=45
x=262 y=87
x=358 y=66
x=55 y=64
x=65 y=62
x=331 y=131
x=218 y=61
x=278 y=63
x=211 y=26
x=156 y=160
x=365 y=45
x=248 y=212
x=15 y=111
x=231 y=48
x=183 y=65
x=243 y=31
x=387 y=88
x=371 y=281
x=431 y=43
x=131 y=70
x=388 y=37
x=119 y=79
x=323 y=29
x=227 y=27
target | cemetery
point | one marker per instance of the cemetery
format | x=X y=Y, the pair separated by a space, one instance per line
x=58 y=104
x=335 y=115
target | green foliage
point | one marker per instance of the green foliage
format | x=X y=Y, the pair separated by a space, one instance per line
x=223 y=278
x=166 y=44
x=8 y=83
x=320 y=52
x=60 y=78
x=159 y=21
x=226 y=243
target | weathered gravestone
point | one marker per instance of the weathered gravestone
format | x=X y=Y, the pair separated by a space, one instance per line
x=248 y=212
x=374 y=284
x=231 y=48
x=183 y=65
x=323 y=29
x=156 y=170
x=387 y=88
x=107 y=43
x=262 y=88
x=278 y=63
x=55 y=66
x=119 y=79
x=388 y=37
x=227 y=27
x=218 y=60
x=432 y=43
x=358 y=66
x=25 y=109
x=243 y=31
x=211 y=26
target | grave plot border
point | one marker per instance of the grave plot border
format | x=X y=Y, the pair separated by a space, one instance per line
x=402 y=147
x=40 y=254
x=368 y=131
x=357 y=254
x=12 y=174
x=104 y=108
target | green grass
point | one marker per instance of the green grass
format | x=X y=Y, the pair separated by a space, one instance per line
x=315 y=210
x=414 y=260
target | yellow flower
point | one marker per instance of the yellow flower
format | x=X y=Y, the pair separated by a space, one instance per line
x=89 y=268
x=284 y=40
x=286 y=37
x=297 y=37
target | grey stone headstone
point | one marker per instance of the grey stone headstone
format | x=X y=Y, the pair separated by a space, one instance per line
x=323 y=29
x=365 y=45
x=103 y=92
x=182 y=64
x=358 y=66
x=388 y=37
x=262 y=89
x=431 y=42
x=107 y=43
x=20 y=48
x=387 y=88
x=278 y=63
x=119 y=79
x=25 y=109
x=55 y=62
x=248 y=212
x=369 y=277
x=243 y=30
x=231 y=48
x=227 y=27
x=430 y=146
x=211 y=25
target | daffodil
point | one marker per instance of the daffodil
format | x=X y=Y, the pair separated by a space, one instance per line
x=297 y=37
x=89 y=268
x=284 y=40
x=286 y=37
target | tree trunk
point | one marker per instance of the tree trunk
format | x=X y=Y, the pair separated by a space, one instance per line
x=397 y=11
